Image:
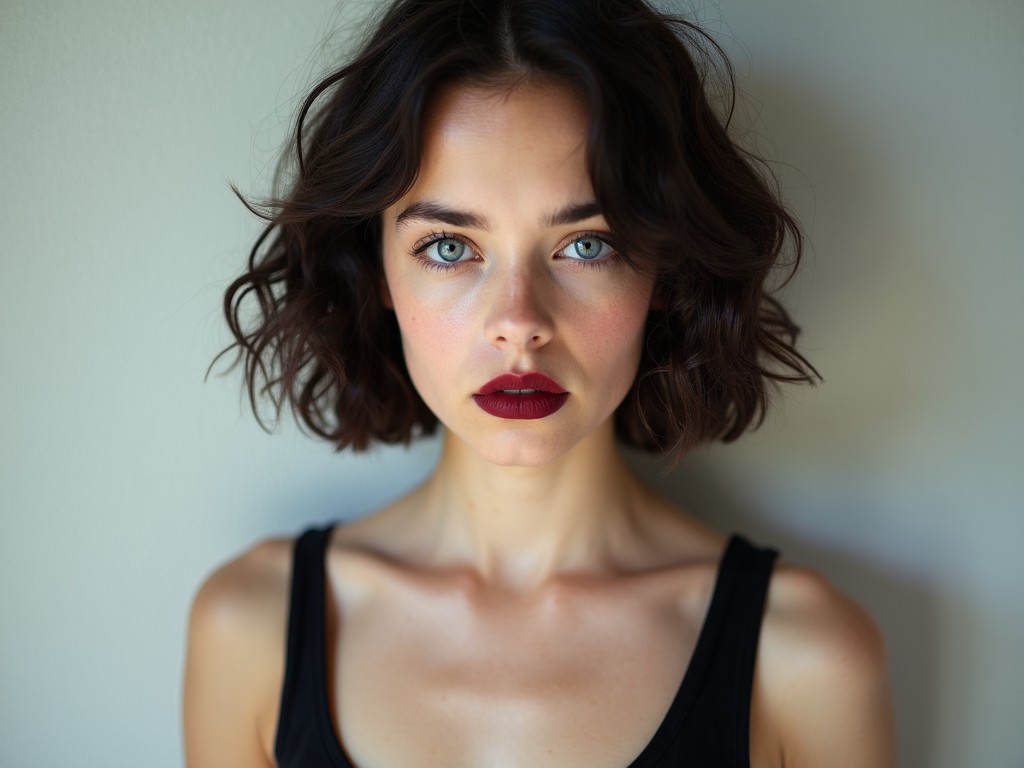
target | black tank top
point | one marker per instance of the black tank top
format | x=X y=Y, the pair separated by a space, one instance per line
x=707 y=724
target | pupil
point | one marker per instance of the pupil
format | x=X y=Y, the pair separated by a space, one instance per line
x=450 y=250
x=587 y=249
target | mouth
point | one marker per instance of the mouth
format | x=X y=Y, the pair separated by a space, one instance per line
x=521 y=384
x=527 y=396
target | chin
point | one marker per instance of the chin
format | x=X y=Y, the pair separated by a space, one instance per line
x=529 y=447
x=519 y=448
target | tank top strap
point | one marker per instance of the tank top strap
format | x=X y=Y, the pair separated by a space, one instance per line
x=748 y=570
x=304 y=692
x=708 y=723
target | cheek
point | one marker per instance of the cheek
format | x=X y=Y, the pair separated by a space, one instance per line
x=426 y=340
x=429 y=341
x=433 y=318
x=615 y=331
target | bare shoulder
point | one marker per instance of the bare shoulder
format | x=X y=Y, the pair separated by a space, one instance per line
x=822 y=677
x=245 y=589
x=235 y=658
x=805 y=610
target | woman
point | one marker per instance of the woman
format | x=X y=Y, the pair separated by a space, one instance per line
x=523 y=220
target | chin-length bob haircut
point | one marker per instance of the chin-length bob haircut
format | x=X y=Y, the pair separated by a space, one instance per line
x=699 y=212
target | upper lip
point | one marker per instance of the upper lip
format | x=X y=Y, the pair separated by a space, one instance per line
x=516 y=381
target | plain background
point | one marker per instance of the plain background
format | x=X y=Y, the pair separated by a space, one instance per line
x=898 y=131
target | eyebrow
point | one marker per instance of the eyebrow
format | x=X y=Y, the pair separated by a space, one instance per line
x=426 y=210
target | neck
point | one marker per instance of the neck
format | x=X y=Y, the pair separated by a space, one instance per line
x=521 y=526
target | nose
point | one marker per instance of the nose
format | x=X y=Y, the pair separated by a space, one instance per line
x=519 y=316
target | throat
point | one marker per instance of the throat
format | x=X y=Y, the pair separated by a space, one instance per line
x=519 y=527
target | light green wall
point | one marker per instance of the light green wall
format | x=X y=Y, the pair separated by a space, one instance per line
x=124 y=478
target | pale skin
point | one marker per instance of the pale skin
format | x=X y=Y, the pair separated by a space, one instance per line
x=532 y=603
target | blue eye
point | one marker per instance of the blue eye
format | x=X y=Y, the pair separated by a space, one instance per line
x=588 y=248
x=447 y=249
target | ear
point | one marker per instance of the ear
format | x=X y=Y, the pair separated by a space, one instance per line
x=384 y=293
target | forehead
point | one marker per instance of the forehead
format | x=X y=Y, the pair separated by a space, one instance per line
x=501 y=135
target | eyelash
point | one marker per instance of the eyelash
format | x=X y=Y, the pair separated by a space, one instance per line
x=434 y=237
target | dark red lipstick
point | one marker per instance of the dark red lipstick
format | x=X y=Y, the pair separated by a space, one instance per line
x=527 y=396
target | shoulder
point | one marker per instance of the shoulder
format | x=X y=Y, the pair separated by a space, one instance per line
x=245 y=593
x=235 y=656
x=805 y=610
x=822 y=679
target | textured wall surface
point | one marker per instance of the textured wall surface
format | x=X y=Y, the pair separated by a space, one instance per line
x=124 y=478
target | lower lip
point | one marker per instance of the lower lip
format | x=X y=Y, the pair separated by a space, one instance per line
x=536 y=405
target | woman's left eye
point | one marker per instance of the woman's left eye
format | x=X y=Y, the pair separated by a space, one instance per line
x=588 y=248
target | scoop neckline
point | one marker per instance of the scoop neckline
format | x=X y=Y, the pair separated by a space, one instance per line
x=674 y=717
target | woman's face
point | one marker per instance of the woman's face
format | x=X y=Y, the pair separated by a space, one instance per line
x=497 y=261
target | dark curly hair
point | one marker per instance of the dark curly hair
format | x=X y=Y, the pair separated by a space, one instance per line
x=665 y=173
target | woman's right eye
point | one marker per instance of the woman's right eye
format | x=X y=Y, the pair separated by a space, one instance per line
x=443 y=251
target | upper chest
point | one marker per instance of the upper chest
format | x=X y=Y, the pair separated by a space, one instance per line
x=445 y=672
